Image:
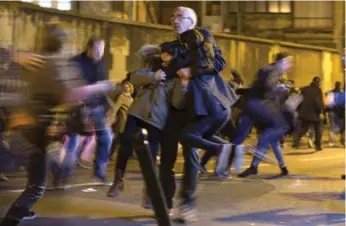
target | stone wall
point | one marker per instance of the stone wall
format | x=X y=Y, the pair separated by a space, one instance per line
x=22 y=26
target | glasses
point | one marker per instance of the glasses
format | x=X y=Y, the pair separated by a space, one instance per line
x=179 y=18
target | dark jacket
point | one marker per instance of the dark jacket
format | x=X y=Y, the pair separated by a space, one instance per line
x=312 y=105
x=265 y=83
x=92 y=72
x=206 y=87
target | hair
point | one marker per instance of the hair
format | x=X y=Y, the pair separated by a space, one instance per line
x=92 y=41
x=191 y=13
x=316 y=80
x=53 y=38
x=132 y=88
x=148 y=53
x=281 y=55
x=236 y=74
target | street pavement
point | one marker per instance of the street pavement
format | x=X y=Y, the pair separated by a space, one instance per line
x=310 y=196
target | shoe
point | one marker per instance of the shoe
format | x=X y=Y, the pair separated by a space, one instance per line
x=318 y=149
x=85 y=164
x=331 y=145
x=60 y=185
x=223 y=158
x=284 y=171
x=203 y=170
x=3 y=178
x=118 y=184
x=222 y=175
x=249 y=171
x=30 y=216
x=186 y=214
x=103 y=180
x=146 y=202
x=310 y=143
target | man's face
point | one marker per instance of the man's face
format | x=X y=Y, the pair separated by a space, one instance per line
x=97 y=50
x=286 y=64
x=181 y=21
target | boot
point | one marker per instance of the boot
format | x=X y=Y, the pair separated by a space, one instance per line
x=249 y=171
x=284 y=171
x=118 y=184
x=146 y=202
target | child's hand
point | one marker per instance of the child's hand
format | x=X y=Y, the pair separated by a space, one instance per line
x=160 y=75
x=184 y=81
x=184 y=73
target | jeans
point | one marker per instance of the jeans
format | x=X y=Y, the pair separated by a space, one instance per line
x=127 y=138
x=337 y=125
x=304 y=127
x=277 y=152
x=201 y=133
x=103 y=139
x=36 y=164
x=257 y=110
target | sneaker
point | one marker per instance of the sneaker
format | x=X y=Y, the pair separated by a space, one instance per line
x=310 y=143
x=223 y=158
x=331 y=145
x=203 y=170
x=222 y=175
x=103 y=180
x=171 y=213
x=3 y=178
x=85 y=164
x=248 y=172
x=30 y=216
x=186 y=214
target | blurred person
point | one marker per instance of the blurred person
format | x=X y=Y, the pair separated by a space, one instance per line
x=336 y=117
x=55 y=83
x=118 y=114
x=309 y=112
x=261 y=105
x=93 y=69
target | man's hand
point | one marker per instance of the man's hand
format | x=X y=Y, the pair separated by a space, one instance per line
x=160 y=76
x=30 y=61
x=184 y=73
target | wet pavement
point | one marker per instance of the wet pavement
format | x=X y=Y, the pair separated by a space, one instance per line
x=310 y=196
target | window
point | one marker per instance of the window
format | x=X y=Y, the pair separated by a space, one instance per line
x=64 y=5
x=268 y=7
x=45 y=3
x=56 y=4
x=279 y=6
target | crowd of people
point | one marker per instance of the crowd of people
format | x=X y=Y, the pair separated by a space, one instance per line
x=177 y=95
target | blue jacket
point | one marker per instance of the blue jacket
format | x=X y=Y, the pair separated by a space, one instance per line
x=92 y=72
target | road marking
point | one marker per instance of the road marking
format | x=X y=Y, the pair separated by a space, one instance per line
x=321 y=158
x=67 y=186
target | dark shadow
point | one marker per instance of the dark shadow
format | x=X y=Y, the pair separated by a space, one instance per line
x=300 y=153
x=301 y=177
x=316 y=196
x=77 y=221
x=278 y=217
